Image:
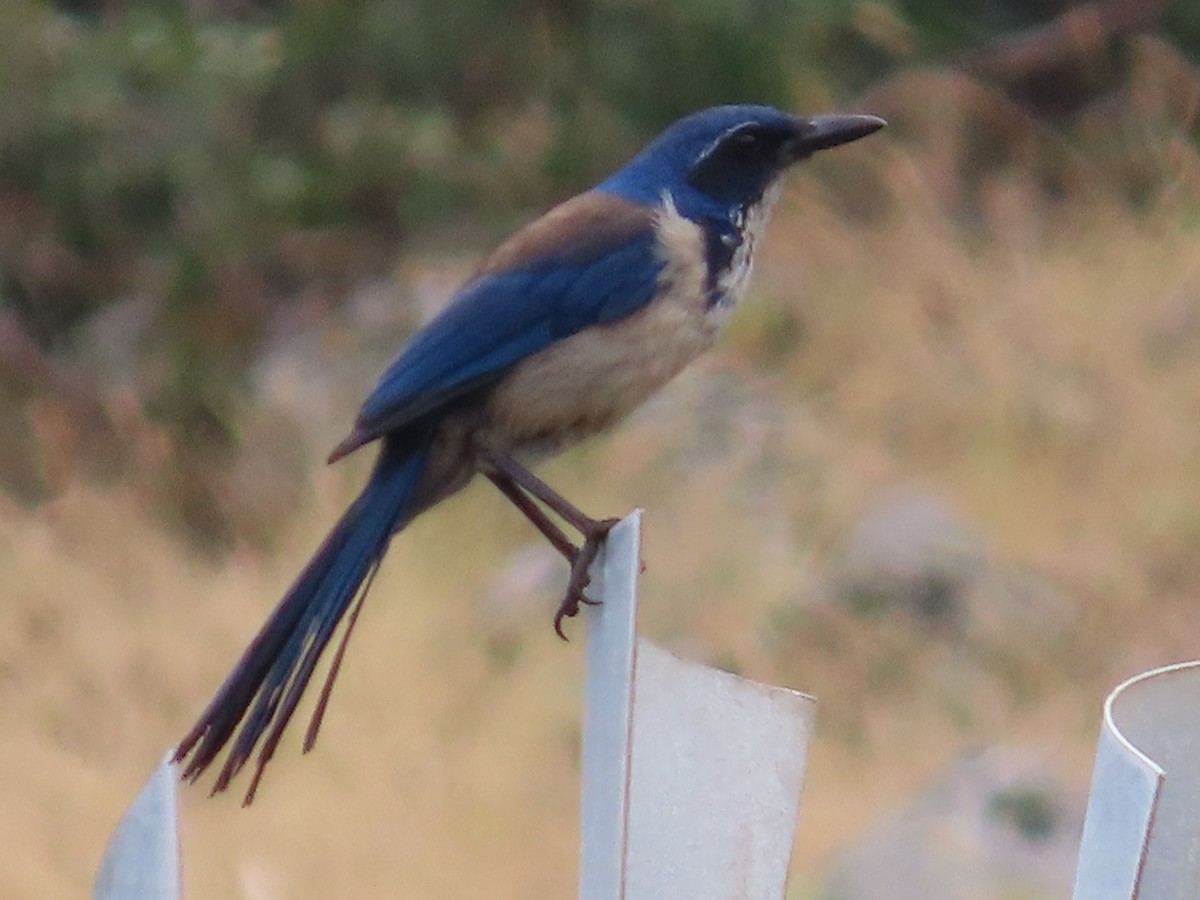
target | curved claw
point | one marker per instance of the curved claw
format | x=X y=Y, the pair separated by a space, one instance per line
x=569 y=608
x=564 y=612
x=586 y=555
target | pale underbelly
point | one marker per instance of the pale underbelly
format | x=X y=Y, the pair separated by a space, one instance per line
x=587 y=383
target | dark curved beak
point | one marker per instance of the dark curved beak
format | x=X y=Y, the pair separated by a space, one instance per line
x=822 y=132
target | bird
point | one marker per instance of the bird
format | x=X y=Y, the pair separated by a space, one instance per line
x=557 y=336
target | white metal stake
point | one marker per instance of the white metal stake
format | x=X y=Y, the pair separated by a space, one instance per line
x=608 y=714
x=141 y=861
x=1141 y=838
x=691 y=776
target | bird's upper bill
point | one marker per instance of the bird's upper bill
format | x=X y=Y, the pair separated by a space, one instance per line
x=822 y=132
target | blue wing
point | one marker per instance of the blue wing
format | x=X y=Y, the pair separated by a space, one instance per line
x=591 y=261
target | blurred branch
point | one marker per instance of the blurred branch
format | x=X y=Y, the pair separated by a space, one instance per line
x=24 y=369
x=26 y=372
x=1054 y=66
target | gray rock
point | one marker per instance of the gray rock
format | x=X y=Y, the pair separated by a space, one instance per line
x=908 y=552
x=999 y=824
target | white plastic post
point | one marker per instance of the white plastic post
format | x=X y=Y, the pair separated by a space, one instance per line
x=142 y=858
x=608 y=714
x=691 y=776
x=1141 y=838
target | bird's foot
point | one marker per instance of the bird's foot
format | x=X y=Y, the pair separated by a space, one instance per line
x=593 y=539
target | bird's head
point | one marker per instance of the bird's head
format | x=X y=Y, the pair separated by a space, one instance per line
x=726 y=157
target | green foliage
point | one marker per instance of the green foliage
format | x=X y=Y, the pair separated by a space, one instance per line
x=1032 y=811
x=176 y=152
x=147 y=150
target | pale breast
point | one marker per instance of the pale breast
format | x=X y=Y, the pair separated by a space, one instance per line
x=588 y=382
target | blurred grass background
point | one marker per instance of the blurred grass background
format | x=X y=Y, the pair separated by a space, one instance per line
x=974 y=338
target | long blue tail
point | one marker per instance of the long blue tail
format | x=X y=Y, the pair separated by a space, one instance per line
x=263 y=689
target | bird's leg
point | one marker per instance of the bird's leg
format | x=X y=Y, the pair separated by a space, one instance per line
x=527 y=481
x=515 y=481
x=534 y=514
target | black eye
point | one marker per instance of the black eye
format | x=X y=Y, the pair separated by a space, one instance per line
x=736 y=162
x=745 y=143
x=747 y=146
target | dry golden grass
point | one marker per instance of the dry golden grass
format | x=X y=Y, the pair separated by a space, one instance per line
x=1040 y=373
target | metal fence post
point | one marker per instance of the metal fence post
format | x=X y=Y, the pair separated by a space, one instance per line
x=1141 y=838
x=141 y=861
x=691 y=775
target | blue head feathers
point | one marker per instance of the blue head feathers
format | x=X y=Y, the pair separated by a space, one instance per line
x=727 y=156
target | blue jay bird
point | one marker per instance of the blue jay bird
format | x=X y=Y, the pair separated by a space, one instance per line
x=561 y=332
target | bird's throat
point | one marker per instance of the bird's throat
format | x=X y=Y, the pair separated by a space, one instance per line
x=730 y=245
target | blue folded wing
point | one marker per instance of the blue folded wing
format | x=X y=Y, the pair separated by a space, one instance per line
x=502 y=317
